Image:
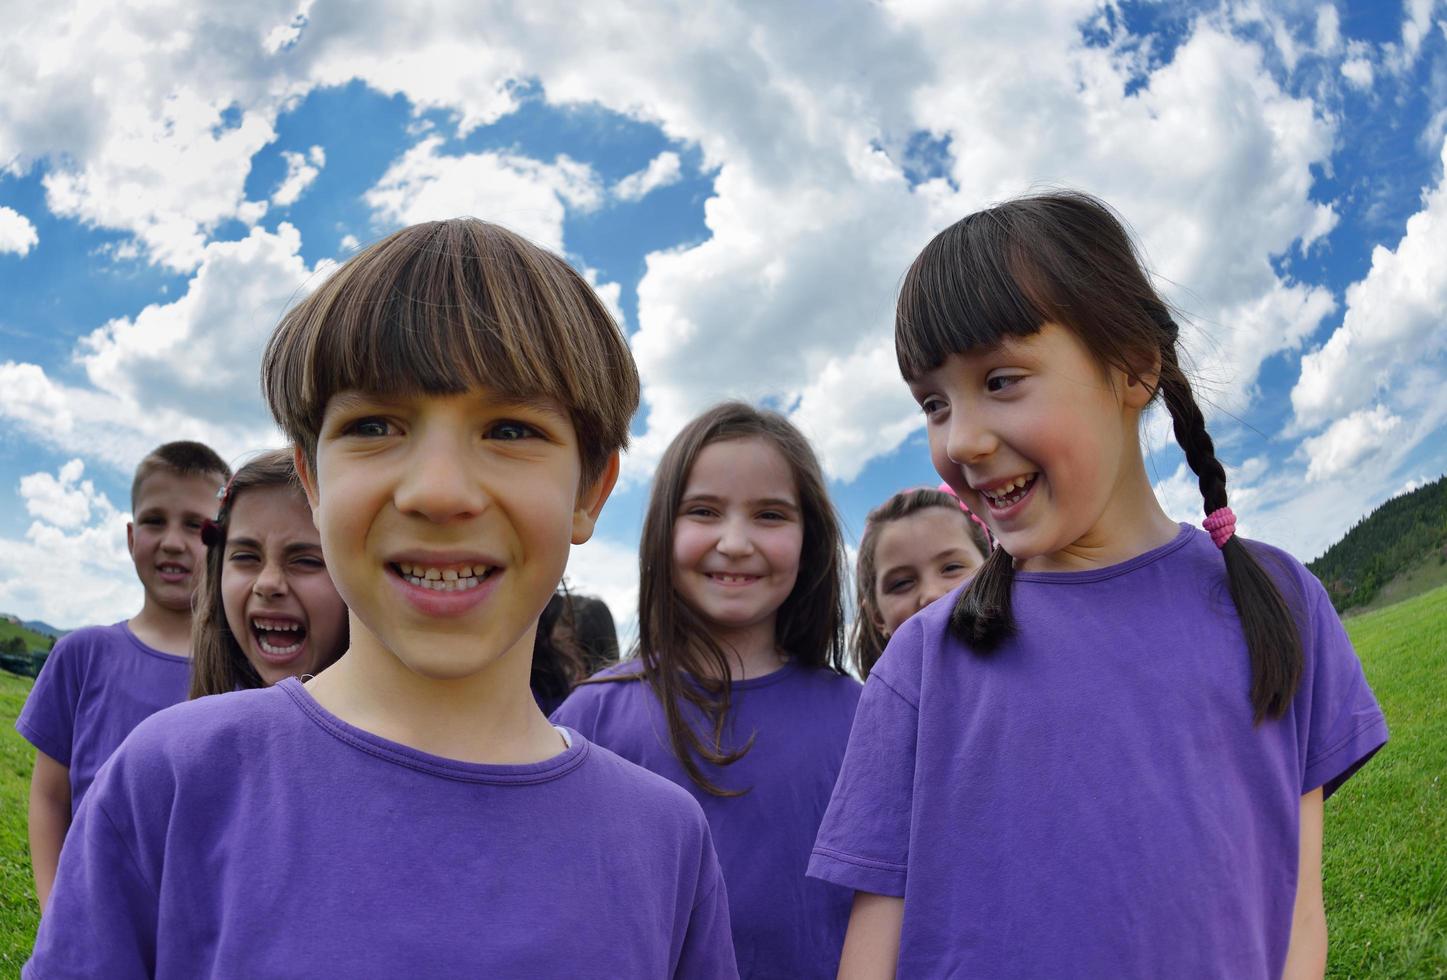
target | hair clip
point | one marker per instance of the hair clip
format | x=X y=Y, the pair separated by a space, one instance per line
x=223 y=493
x=211 y=534
x=1222 y=524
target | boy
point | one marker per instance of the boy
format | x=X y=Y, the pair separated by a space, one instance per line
x=457 y=398
x=100 y=682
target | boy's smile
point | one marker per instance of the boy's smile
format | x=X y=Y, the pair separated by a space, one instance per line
x=446 y=521
x=164 y=539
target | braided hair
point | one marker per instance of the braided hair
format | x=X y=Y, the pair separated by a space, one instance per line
x=1065 y=258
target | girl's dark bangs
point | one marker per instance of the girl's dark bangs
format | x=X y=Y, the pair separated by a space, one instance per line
x=962 y=294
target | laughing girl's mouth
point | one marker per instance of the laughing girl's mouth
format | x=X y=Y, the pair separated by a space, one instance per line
x=278 y=637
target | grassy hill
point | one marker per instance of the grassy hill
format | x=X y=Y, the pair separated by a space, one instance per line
x=33 y=640
x=1397 y=550
x=1385 y=868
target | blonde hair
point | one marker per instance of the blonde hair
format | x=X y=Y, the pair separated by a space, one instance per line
x=442 y=307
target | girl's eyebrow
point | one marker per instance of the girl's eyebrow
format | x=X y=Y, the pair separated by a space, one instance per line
x=710 y=498
x=255 y=545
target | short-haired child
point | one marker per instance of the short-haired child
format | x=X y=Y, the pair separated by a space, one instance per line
x=101 y=681
x=917 y=545
x=266 y=608
x=738 y=691
x=1107 y=755
x=457 y=397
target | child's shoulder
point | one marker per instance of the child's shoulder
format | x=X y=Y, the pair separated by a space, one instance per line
x=644 y=787
x=194 y=734
x=88 y=639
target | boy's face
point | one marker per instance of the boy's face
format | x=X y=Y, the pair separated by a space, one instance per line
x=164 y=535
x=446 y=520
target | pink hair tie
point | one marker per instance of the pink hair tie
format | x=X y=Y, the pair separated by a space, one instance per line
x=1222 y=524
x=946 y=488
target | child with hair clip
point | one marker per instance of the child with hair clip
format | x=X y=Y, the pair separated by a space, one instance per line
x=738 y=691
x=457 y=398
x=1107 y=754
x=917 y=545
x=266 y=608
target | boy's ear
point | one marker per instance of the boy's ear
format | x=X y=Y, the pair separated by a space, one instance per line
x=131 y=538
x=308 y=480
x=591 y=500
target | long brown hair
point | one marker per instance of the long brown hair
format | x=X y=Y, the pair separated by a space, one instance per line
x=678 y=658
x=866 y=641
x=218 y=663
x=1065 y=258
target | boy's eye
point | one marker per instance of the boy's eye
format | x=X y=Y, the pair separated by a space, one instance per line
x=511 y=431
x=999 y=382
x=369 y=427
x=932 y=407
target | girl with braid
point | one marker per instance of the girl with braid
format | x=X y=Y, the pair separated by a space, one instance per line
x=1106 y=754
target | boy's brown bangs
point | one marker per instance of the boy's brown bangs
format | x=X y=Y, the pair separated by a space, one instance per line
x=963 y=293
x=444 y=307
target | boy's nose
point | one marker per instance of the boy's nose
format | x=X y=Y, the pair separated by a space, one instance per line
x=439 y=487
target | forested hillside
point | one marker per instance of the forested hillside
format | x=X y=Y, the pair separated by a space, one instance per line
x=1403 y=533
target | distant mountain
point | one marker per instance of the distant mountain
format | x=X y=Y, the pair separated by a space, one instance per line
x=36 y=626
x=1401 y=537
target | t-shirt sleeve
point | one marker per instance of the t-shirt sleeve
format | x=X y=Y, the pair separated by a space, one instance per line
x=1344 y=726
x=863 y=842
x=708 y=946
x=48 y=719
x=101 y=919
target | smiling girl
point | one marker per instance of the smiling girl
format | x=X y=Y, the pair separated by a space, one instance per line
x=738 y=691
x=267 y=608
x=1107 y=755
x=917 y=545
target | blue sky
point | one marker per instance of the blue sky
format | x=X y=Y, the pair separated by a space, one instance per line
x=745 y=183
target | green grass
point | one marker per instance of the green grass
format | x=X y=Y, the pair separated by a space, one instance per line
x=1385 y=864
x=1428 y=573
x=1385 y=861
x=18 y=913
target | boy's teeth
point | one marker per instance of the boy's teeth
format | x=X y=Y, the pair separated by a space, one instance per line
x=454 y=578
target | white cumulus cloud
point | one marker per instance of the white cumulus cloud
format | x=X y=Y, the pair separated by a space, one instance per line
x=1348 y=442
x=661 y=171
x=17 y=234
x=529 y=196
x=301 y=170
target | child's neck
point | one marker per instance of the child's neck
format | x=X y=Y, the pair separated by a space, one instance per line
x=489 y=717
x=752 y=651
x=166 y=630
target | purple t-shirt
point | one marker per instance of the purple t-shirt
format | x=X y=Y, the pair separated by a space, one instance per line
x=1092 y=799
x=97 y=684
x=784 y=924
x=254 y=834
